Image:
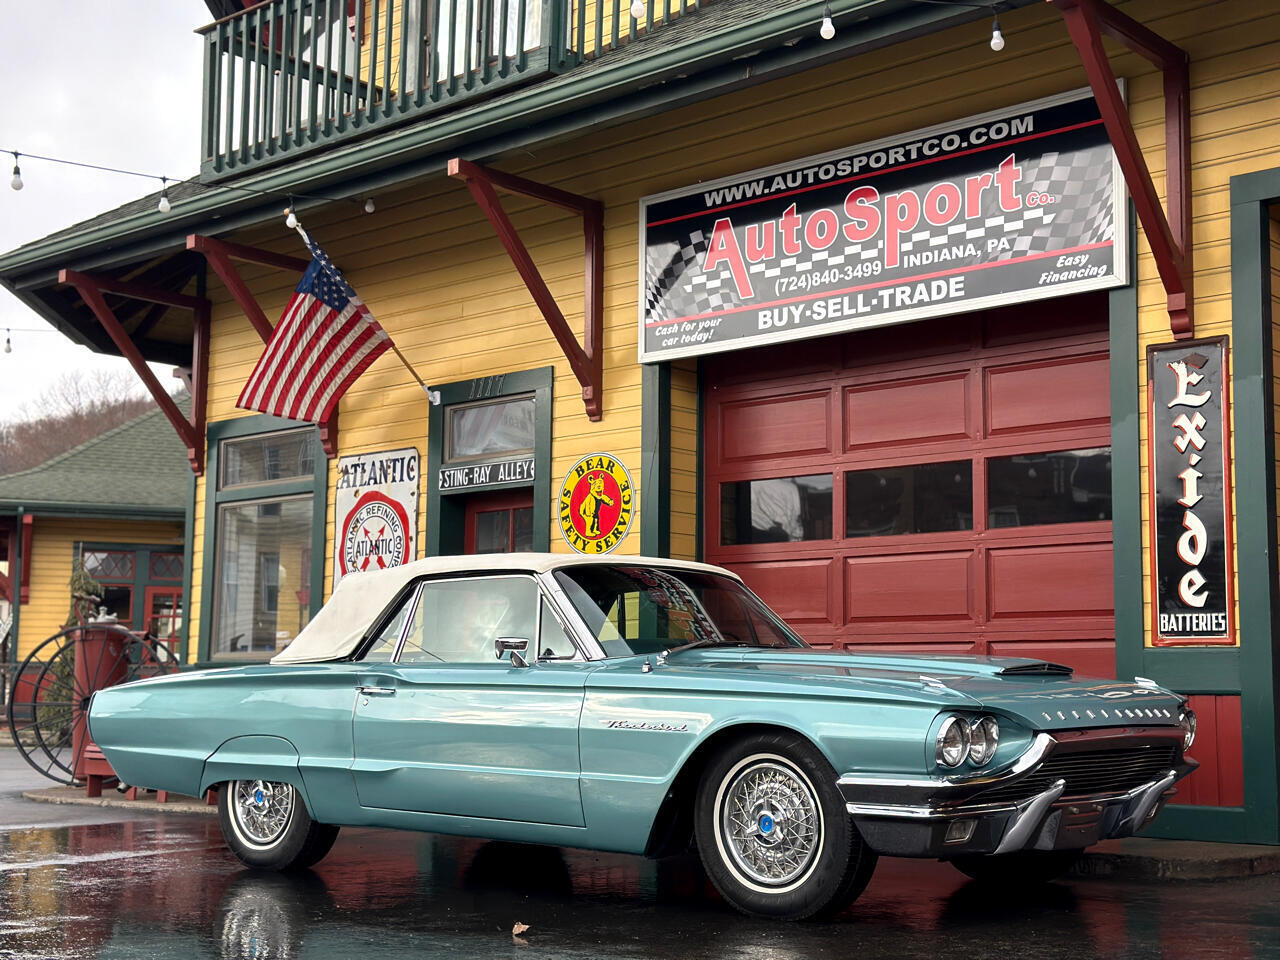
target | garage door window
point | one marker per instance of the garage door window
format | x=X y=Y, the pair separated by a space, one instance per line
x=1066 y=486
x=920 y=498
x=776 y=510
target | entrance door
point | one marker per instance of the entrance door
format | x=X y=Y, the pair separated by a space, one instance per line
x=500 y=522
x=449 y=728
x=942 y=486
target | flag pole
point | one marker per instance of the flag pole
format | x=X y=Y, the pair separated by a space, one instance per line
x=297 y=225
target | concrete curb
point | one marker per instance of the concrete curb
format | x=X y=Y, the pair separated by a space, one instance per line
x=74 y=796
x=1138 y=858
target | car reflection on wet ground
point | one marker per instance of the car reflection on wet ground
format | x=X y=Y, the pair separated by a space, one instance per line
x=166 y=887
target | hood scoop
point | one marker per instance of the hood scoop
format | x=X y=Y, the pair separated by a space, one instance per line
x=1040 y=669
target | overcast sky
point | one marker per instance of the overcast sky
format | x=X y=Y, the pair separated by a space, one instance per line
x=116 y=84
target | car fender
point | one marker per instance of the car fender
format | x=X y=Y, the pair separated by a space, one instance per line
x=254 y=757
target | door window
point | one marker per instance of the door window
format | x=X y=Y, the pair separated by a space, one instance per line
x=384 y=645
x=553 y=642
x=458 y=621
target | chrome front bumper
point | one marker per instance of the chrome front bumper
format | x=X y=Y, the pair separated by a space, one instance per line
x=947 y=816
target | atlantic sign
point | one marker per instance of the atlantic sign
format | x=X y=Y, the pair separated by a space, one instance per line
x=1190 y=493
x=375 y=511
x=1000 y=208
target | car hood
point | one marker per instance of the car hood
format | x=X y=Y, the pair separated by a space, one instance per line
x=1043 y=695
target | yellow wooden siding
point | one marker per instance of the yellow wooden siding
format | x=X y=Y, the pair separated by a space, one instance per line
x=684 y=460
x=53 y=543
x=435 y=276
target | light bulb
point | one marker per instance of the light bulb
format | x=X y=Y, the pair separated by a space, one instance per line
x=368 y=206
x=8 y=347
x=637 y=9
x=997 y=38
x=828 y=29
x=291 y=221
x=16 y=182
x=164 y=206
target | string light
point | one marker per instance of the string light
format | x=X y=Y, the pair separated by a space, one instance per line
x=637 y=9
x=8 y=347
x=291 y=221
x=997 y=38
x=165 y=203
x=828 y=28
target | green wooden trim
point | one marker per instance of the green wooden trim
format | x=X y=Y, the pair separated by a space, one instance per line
x=1194 y=670
x=700 y=479
x=91 y=511
x=1258 y=593
x=1215 y=824
x=1127 y=410
x=655 y=457
x=318 y=487
x=446 y=512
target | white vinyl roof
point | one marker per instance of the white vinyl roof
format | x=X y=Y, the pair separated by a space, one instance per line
x=338 y=628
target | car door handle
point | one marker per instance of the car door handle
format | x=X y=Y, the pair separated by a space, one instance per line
x=378 y=691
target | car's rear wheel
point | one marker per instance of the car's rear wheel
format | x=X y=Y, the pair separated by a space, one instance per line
x=773 y=832
x=267 y=826
x=1018 y=869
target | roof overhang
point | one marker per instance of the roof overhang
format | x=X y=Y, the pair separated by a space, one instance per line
x=709 y=55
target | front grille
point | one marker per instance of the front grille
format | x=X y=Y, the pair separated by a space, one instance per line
x=1090 y=773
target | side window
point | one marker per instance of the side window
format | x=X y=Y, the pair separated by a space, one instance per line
x=384 y=646
x=553 y=642
x=457 y=621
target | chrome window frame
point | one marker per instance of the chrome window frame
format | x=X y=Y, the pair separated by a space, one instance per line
x=541 y=592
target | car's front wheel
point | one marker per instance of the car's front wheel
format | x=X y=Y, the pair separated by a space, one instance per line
x=773 y=832
x=267 y=826
x=1018 y=869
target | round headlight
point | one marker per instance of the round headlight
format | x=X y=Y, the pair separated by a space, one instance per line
x=953 y=742
x=984 y=737
x=1187 y=721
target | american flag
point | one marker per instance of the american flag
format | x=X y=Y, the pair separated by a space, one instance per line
x=323 y=342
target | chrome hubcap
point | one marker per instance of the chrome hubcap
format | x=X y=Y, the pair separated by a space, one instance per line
x=262 y=809
x=770 y=823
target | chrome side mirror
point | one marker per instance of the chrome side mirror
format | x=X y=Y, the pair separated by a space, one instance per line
x=515 y=646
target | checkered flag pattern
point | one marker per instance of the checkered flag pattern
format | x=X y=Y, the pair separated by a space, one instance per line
x=1080 y=184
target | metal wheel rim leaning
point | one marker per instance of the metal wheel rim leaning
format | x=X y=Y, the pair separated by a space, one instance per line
x=262 y=810
x=770 y=823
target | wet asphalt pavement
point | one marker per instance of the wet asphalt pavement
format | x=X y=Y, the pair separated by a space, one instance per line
x=87 y=882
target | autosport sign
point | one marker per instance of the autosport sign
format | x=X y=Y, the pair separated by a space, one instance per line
x=1000 y=208
x=376 y=511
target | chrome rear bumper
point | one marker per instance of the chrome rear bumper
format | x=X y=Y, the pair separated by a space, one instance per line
x=947 y=816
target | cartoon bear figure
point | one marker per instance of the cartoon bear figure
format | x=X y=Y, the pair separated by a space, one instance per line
x=589 y=509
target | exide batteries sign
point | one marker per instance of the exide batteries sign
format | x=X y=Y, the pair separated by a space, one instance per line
x=995 y=209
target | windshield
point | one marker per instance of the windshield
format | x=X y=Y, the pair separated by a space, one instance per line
x=638 y=610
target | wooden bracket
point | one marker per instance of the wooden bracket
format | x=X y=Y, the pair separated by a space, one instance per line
x=585 y=359
x=92 y=287
x=1169 y=237
x=221 y=255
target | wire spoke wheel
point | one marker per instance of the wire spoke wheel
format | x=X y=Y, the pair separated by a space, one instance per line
x=262 y=810
x=769 y=818
x=49 y=702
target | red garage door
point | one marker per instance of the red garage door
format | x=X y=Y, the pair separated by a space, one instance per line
x=940 y=486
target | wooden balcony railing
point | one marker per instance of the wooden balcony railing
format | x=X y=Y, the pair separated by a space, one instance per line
x=286 y=77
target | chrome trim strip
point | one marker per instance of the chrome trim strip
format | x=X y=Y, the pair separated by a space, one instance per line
x=891 y=811
x=1039 y=748
x=1029 y=817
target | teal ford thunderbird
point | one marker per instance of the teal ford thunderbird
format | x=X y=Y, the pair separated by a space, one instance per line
x=644 y=706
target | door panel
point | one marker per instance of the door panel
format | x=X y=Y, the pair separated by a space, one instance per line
x=474 y=740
